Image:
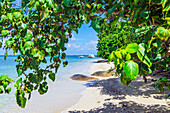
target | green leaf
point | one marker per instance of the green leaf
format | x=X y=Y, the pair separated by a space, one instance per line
x=142 y=55
x=28 y=35
x=110 y=11
x=63 y=56
x=67 y=2
x=167 y=8
x=164 y=79
x=163 y=33
x=136 y=1
x=9 y=43
x=8 y=90
x=50 y=3
x=17 y=15
x=19 y=81
x=118 y=54
x=99 y=6
x=29 y=44
x=42 y=1
x=35 y=52
x=4 y=77
x=65 y=63
x=10 y=16
x=145 y=13
x=0 y=44
x=124 y=80
x=58 y=41
x=168 y=20
x=3 y=17
x=163 y=3
x=1 y=89
x=25 y=3
x=132 y=48
x=6 y=55
x=37 y=4
x=111 y=56
x=131 y=69
x=19 y=71
x=5 y=84
x=44 y=14
x=96 y=25
x=20 y=97
x=35 y=78
x=76 y=30
x=52 y=76
x=43 y=88
x=48 y=50
x=24 y=26
x=41 y=55
x=128 y=56
x=5 y=32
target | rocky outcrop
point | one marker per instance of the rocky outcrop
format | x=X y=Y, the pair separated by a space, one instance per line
x=81 y=77
x=91 y=56
x=101 y=61
x=103 y=73
x=80 y=57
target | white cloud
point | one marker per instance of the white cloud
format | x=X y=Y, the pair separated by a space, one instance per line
x=91 y=45
x=73 y=38
x=68 y=45
x=73 y=45
x=93 y=42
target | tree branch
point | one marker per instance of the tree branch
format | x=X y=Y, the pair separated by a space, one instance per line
x=161 y=58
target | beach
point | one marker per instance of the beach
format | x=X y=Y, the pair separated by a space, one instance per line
x=62 y=93
x=108 y=95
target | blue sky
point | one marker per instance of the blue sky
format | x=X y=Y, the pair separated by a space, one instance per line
x=83 y=43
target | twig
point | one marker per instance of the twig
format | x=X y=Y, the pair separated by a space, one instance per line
x=14 y=79
x=161 y=58
x=151 y=25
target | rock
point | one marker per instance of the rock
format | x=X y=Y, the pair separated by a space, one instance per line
x=101 y=61
x=80 y=57
x=81 y=77
x=103 y=73
x=91 y=56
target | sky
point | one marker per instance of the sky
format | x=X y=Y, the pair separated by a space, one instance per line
x=83 y=43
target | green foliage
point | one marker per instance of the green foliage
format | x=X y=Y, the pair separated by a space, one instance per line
x=52 y=76
x=96 y=25
x=131 y=69
x=38 y=29
x=163 y=33
x=161 y=83
x=146 y=38
x=4 y=82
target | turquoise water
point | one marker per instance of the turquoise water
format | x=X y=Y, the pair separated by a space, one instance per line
x=59 y=91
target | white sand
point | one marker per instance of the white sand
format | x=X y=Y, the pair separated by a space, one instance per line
x=139 y=97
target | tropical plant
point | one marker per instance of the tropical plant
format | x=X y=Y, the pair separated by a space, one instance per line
x=111 y=39
x=36 y=29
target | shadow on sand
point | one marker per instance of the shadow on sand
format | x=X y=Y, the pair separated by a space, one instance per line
x=119 y=92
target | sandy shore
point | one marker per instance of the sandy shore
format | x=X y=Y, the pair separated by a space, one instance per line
x=108 y=95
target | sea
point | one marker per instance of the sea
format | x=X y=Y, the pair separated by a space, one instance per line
x=62 y=93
